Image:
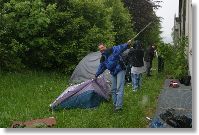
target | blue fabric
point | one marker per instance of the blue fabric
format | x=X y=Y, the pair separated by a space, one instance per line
x=156 y=123
x=118 y=89
x=112 y=62
x=136 y=81
x=88 y=99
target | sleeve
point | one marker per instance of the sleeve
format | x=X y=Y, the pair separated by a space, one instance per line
x=101 y=69
x=120 y=48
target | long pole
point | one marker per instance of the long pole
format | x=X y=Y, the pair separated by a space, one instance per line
x=141 y=31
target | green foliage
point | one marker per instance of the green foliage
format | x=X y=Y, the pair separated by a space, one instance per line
x=175 y=57
x=56 y=35
x=143 y=12
x=181 y=62
x=122 y=21
x=22 y=26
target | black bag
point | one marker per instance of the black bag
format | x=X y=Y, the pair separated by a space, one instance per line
x=176 y=121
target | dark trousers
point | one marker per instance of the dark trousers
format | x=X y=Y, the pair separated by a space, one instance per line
x=148 y=68
x=160 y=64
x=128 y=74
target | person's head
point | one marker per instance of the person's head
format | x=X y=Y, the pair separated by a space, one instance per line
x=101 y=47
x=137 y=44
x=151 y=45
x=154 y=47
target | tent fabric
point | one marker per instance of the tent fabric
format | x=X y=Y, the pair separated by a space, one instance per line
x=87 y=68
x=87 y=94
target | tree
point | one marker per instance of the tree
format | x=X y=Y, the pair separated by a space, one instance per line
x=122 y=21
x=143 y=13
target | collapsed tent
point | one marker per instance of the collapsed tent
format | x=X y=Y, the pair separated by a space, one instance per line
x=88 y=94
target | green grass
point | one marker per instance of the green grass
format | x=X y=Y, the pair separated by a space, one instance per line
x=26 y=96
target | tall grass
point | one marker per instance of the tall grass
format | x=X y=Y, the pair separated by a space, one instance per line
x=26 y=96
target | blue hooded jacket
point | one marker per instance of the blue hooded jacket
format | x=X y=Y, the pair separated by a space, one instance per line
x=112 y=61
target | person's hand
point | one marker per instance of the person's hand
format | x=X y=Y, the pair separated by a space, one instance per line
x=95 y=77
x=129 y=43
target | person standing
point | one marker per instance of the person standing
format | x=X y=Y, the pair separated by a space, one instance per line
x=160 y=57
x=136 y=56
x=148 y=58
x=111 y=59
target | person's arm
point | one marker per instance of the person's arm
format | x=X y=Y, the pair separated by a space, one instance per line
x=120 y=48
x=101 y=69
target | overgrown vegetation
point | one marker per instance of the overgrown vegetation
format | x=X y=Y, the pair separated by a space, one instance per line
x=175 y=56
x=56 y=35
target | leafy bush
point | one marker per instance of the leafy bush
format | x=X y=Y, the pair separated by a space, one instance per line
x=175 y=58
x=181 y=63
x=56 y=35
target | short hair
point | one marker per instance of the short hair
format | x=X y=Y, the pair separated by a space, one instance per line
x=101 y=44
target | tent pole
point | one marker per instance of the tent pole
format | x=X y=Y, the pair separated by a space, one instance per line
x=141 y=31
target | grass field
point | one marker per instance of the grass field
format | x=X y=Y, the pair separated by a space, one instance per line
x=26 y=96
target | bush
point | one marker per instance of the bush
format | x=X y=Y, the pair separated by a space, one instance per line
x=56 y=35
x=175 y=58
x=180 y=67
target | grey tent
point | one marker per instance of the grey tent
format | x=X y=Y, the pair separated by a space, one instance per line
x=87 y=68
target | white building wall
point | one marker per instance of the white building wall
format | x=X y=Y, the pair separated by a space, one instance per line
x=190 y=35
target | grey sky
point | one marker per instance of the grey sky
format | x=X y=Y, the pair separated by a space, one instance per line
x=168 y=10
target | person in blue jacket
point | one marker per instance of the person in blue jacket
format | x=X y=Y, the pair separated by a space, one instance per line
x=111 y=59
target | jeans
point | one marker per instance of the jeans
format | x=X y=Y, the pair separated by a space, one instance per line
x=136 y=81
x=118 y=89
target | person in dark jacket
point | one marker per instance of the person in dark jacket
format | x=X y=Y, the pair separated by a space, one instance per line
x=128 y=67
x=136 y=56
x=111 y=59
x=148 y=58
